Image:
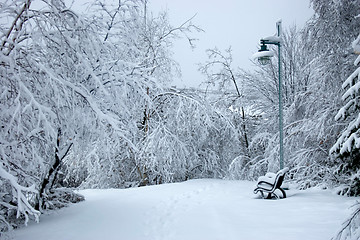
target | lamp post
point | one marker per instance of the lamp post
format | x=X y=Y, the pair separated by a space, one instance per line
x=264 y=57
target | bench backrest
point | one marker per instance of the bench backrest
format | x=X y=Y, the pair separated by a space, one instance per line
x=280 y=177
x=279 y=181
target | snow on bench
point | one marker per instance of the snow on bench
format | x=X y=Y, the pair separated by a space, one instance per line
x=270 y=183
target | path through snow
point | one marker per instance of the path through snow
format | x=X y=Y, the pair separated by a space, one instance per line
x=193 y=210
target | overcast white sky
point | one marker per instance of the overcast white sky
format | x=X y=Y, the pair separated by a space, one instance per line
x=237 y=23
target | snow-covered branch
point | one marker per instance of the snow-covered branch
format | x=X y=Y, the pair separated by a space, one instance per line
x=21 y=196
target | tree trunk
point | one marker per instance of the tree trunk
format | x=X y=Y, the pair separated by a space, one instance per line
x=53 y=171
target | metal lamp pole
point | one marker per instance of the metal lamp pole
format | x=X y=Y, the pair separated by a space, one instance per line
x=264 y=60
x=281 y=129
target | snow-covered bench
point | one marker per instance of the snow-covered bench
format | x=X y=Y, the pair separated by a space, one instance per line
x=270 y=183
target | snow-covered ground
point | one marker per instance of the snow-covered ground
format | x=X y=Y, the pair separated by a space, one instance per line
x=198 y=209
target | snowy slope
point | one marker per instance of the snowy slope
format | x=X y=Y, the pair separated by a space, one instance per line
x=198 y=209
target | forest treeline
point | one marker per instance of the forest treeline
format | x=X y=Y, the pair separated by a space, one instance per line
x=86 y=102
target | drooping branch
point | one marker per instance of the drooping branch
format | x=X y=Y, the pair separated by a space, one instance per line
x=15 y=26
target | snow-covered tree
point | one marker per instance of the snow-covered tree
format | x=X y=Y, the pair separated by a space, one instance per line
x=187 y=138
x=347 y=147
x=26 y=130
x=74 y=92
x=312 y=130
x=313 y=61
x=223 y=77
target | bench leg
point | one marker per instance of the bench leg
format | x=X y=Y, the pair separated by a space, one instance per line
x=283 y=192
x=262 y=194
x=276 y=194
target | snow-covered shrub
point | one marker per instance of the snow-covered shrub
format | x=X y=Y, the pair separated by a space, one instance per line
x=61 y=197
